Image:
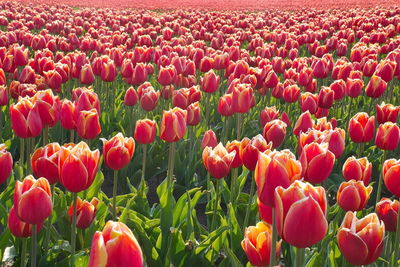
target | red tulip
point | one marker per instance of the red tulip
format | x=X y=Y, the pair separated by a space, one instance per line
x=86 y=99
x=173 y=125
x=235 y=146
x=361 y=128
x=225 y=107
x=115 y=246
x=139 y=74
x=361 y=240
x=131 y=97
x=166 y=76
x=242 y=98
x=19 y=228
x=193 y=114
x=303 y=123
x=339 y=88
x=149 y=99
x=387 y=211
x=357 y=169
x=118 y=151
x=268 y=114
x=48 y=106
x=353 y=195
x=25 y=118
x=210 y=81
x=388 y=136
x=21 y=56
x=317 y=162
x=375 y=87
x=386 y=112
x=275 y=132
x=390 y=174
x=264 y=211
x=218 y=161
x=108 y=71
x=44 y=162
x=88 y=125
x=386 y=70
x=3 y=80
x=85 y=212
x=249 y=150
x=326 y=97
x=145 y=131
x=309 y=102
x=291 y=93
x=53 y=79
x=354 y=87
x=86 y=75
x=32 y=200
x=77 y=166
x=68 y=114
x=300 y=212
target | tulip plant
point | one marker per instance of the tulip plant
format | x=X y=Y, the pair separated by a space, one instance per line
x=199 y=134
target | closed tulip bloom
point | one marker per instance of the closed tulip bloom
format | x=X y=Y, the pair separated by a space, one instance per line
x=354 y=87
x=387 y=112
x=210 y=81
x=386 y=70
x=86 y=99
x=225 y=107
x=335 y=139
x=361 y=241
x=149 y=99
x=25 y=118
x=27 y=75
x=388 y=136
x=88 y=124
x=303 y=123
x=86 y=75
x=68 y=114
x=357 y=169
x=305 y=76
x=108 y=71
x=326 y=97
x=115 y=246
x=209 y=139
x=32 y=200
x=85 y=212
x=249 y=150
x=275 y=132
x=353 y=195
x=291 y=93
x=131 y=97
x=268 y=114
x=77 y=166
x=6 y=163
x=218 y=160
x=320 y=69
x=166 y=76
x=53 y=79
x=193 y=114
x=339 y=89
x=387 y=211
x=139 y=74
x=278 y=168
x=242 y=98
x=316 y=162
x=257 y=244
x=271 y=80
x=206 y=64
x=375 y=87
x=19 y=228
x=21 y=56
x=391 y=174
x=235 y=146
x=44 y=162
x=309 y=102
x=362 y=128
x=145 y=131
x=300 y=212
x=48 y=106
x=173 y=125
x=118 y=151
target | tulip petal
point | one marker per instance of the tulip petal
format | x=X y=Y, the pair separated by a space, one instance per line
x=352 y=247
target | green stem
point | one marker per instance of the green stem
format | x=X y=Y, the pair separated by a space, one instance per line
x=361 y=150
x=22 y=151
x=208 y=187
x=73 y=228
x=45 y=135
x=238 y=125
x=72 y=136
x=378 y=194
x=252 y=189
x=217 y=197
x=34 y=241
x=23 y=251
x=233 y=186
x=171 y=163
x=272 y=259
x=208 y=110
x=115 y=194
x=299 y=257
x=81 y=240
x=144 y=163
x=48 y=223
x=396 y=242
x=225 y=130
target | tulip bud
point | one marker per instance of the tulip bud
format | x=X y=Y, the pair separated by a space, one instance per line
x=386 y=112
x=375 y=87
x=193 y=114
x=390 y=174
x=115 y=246
x=210 y=81
x=149 y=99
x=326 y=97
x=300 y=212
x=316 y=162
x=335 y=139
x=303 y=123
x=32 y=200
x=361 y=128
x=242 y=98
x=68 y=115
x=19 y=228
x=225 y=107
x=44 y=162
x=268 y=114
x=305 y=76
x=48 y=106
x=271 y=80
x=88 y=125
x=249 y=150
x=388 y=136
x=387 y=211
x=339 y=89
x=361 y=241
x=257 y=244
x=108 y=71
x=354 y=87
x=357 y=169
x=309 y=102
x=275 y=132
x=85 y=212
x=53 y=79
x=353 y=195
x=235 y=146
x=145 y=131
x=291 y=93
x=118 y=151
x=86 y=75
x=25 y=118
x=166 y=76
x=209 y=139
x=86 y=99
x=173 y=125
x=218 y=161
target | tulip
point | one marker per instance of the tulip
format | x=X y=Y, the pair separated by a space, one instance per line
x=173 y=125
x=19 y=228
x=3 y=80
x=309 y=102
x=209 y=139
x=388 y=136
x=139 y=74
x=291 y=93
x=86 y=99
x=268 y=114
x=88 y=125
x=86 y=75
x=386 y=70
x=242 y=98
x=68 y=114
x=48 y=106
x=335 y=139
x=145 y=131
x=317 y=162
x=225 y=107
x=361 y=240
x=149 y=99
x=44 y=162
x=3 y=95
x=77 y=166
x=390 y=174
x=235 y=146
x=118 y=151
x=357 y=169
x=257 y=244
x=218 y=161
x=210 y=81
x=387 y=211
x=25 y=118
x=354 y=87
x=115 y=246
x=85 y=212
x=275 y=132
x=386 y=112
x=27 y=75
x=326 y=97
x=339 y=89
x=166 y=75
x=6 y=164
x=353 y=195
x=361 y=128
x=53 y=79
x=303 y=123
x=21 y=56
x=131 y=97
x=108 y=71
x=300 y=214
x=375 y=87
x=249 y=150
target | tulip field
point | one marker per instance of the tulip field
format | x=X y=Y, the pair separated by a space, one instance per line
x=199 y=133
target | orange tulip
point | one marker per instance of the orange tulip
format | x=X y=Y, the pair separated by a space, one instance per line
x=218 y=160
x=173 y=125
x=44 y=162
x=115 y=246
x=353 y=195
x=275 y=132
x=145 y=131
x=317 y=162
x=388 y=136
x=387 y=211
x=118 y=151
x=85 y=212
x=257 y=244
x=361 y=128
x=300 y=212
x=361 y=240
x=249 y=150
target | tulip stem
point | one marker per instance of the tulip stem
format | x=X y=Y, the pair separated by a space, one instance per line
x=378 y=193
x=208 y=109
x=73 y=228
x=72 y=136
x=115 y=194
x=23 y=251
x=361 y=150
x=48 y=223
x=144 y=163
x=34 y=241
x=171 y=162
x=238 y=125
x=45 y=135
x=252 y=189
x=217 y=197
x=396 y=242
x=272 y=259
x=22 y=151
x=233 y=186
x=299 y=257
x=208 y=187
